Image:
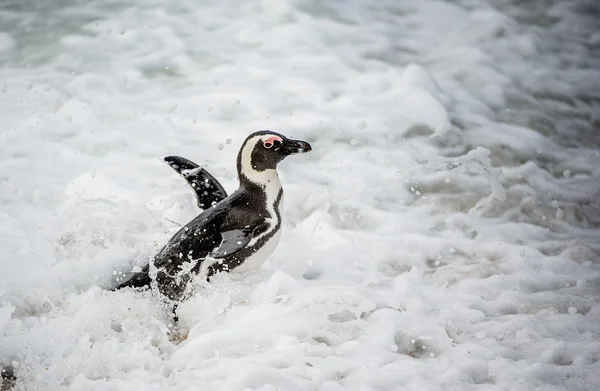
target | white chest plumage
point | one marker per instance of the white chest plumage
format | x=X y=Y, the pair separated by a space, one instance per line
x=255 y=261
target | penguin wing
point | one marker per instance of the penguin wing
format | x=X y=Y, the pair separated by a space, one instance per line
x=199 y=238
x=237 y=239
x=208 y=190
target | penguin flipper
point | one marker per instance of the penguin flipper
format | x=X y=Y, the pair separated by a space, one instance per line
x=140 y=279
x=208 y=190
x=235 y=240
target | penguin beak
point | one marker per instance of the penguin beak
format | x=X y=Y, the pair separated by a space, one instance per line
x=290 y=147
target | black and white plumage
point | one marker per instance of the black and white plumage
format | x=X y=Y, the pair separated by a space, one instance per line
x=239 y=232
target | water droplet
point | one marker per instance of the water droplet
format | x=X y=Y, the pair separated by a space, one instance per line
x=447 y=180
x=555 y=204
x=559 y=214
x=567 y=173
x=354 y=141
x=452 y=250
x=228 y=141
x=572 y=310
x=394 y=348
x=122 y=31
x=220 y=146
x=15 y=364
x=361 y=124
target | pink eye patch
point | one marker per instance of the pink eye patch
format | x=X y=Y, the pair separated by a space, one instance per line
x=268 y=143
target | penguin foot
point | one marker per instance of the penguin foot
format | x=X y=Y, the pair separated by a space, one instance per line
x=178 y=335
x=7 y=379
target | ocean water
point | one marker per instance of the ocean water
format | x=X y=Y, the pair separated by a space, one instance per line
x=443 y=234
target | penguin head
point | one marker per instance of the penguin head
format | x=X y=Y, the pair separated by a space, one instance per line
x=263 y=150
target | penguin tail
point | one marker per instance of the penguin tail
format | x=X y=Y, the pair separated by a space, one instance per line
x=139 y=280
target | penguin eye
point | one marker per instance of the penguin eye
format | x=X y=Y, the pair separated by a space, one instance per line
x=272 y=141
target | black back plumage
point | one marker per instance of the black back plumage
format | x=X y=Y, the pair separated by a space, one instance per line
x=188 y=249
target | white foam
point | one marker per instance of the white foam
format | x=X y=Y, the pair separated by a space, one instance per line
x=472 y=277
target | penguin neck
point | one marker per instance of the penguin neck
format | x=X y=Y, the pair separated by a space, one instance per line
x=266 y=181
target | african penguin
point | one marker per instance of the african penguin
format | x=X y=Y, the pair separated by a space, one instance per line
x=238 y=233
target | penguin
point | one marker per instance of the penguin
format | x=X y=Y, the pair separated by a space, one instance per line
x=238 y=232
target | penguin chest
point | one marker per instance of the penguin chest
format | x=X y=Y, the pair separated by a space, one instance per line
x=274 y=206
x=255 y=261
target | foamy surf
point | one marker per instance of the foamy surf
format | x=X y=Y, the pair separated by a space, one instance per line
x=441 y=235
